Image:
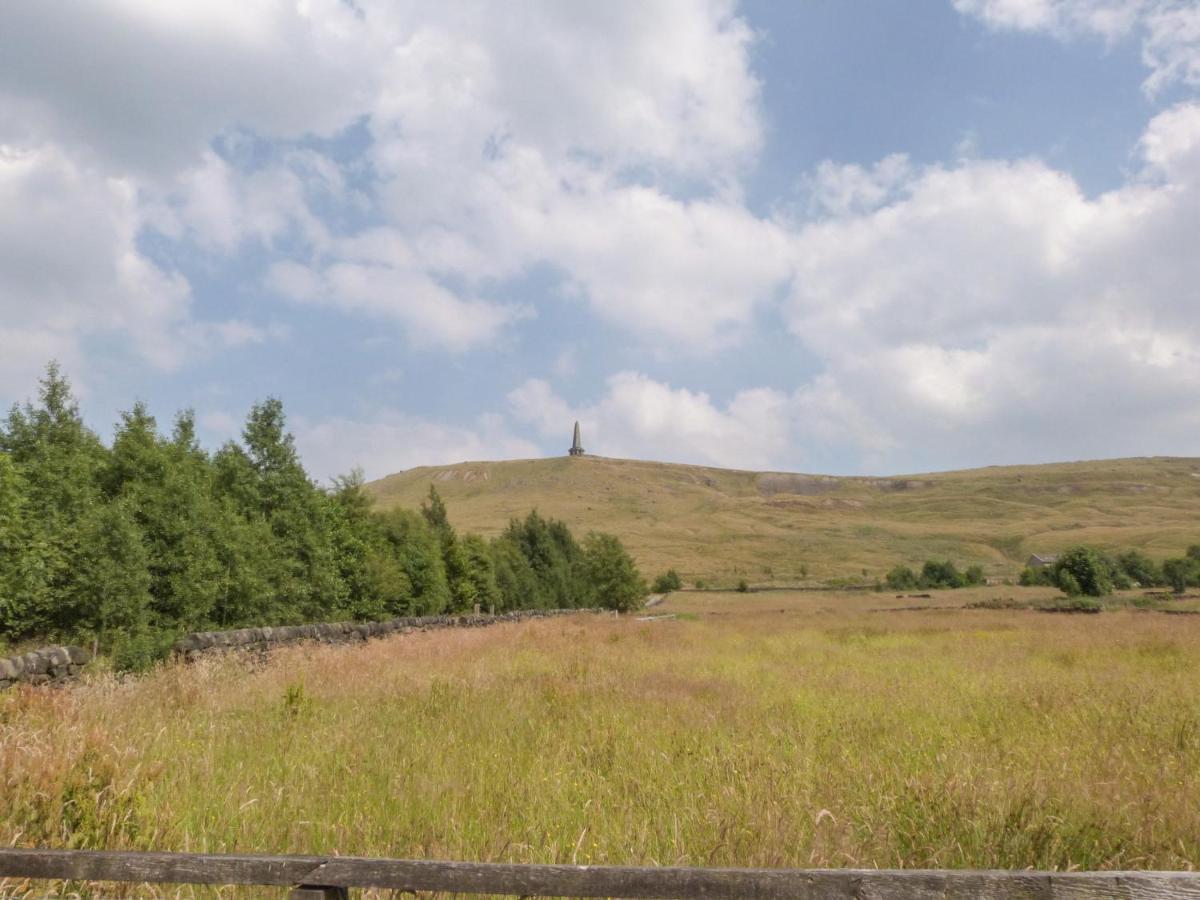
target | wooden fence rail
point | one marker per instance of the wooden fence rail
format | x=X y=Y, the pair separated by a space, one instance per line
x=332 y=876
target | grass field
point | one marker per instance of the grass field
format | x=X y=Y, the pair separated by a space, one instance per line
x=773 y=527
x=774 y=729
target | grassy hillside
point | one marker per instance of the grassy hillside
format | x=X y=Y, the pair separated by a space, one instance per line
x=721 y=524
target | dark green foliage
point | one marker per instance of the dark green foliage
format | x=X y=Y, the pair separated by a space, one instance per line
x=934 y=574
x=1181 y=573
x=1193 y=552
x=743 y=587
x=667 y=582
x=133 y=545
x=556 y=561
x=612 y=578
x=1031 y=577
x=1086 y=571
x=940 y=574
x=1140 y=569
x=901 y=578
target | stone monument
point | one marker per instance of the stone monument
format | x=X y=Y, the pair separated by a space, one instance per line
x=576 y=445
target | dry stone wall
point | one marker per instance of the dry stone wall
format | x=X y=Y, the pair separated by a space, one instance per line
x=55 y=664
x=43 y=665
x=344 y=632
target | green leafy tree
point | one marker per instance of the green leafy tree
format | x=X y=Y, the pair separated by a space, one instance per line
x=166 y=487
x=612 y=577
x=1086 y=569
x=479 y=571
x=1140 y=568
x=59 y=460
x=416 y=550
x=1180 y=573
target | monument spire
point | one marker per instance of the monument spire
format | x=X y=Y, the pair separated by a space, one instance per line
x=576 y=444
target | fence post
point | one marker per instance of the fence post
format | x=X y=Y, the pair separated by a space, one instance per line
x=316 y=892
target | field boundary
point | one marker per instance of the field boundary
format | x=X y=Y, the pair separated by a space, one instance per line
x=264 y=637
x=331 y=877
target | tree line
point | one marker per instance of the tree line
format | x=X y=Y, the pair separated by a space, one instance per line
x=131 y=544
x=1088 y=571
x=936 y=573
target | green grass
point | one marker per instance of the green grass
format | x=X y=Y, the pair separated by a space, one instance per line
x=814 y=729
x=672 y=516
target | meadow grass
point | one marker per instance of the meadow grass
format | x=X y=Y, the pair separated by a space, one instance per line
x=807 y=730
x=781 y=528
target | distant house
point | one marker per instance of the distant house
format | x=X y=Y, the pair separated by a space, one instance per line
x=1040 y=561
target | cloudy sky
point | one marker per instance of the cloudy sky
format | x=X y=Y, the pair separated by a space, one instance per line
x=832 y=236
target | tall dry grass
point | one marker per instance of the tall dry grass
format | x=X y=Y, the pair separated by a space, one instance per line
x=823 y=735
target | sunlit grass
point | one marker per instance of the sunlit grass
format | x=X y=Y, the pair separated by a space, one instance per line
x=822 y=735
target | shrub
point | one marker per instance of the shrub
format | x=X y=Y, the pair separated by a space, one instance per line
x=667 y=582
x=901 y=578
x=1031 y=577
x=742 y=587
x=974 y=575
x=940 y=574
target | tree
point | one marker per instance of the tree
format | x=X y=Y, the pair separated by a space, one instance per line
x=59 y=460
x=612 y=577
x=166 y=487
x=1083 y=570
x=1140 y=568
x=516 y=581
x=1179 y=573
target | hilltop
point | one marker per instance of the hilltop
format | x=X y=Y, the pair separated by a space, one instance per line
x=723 y=524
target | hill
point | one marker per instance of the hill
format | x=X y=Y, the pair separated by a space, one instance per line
x=722 y=524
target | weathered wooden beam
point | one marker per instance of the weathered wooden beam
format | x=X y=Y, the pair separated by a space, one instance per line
x=321 y=874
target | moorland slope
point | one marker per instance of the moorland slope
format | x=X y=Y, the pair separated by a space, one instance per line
x=721 y=525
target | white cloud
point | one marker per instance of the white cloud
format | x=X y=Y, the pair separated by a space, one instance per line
x=606 y=142
x=392 y=441
x=70 y=266
x=1003 y=310
x=641 y=417
x=142 y=86
x=1169 y=29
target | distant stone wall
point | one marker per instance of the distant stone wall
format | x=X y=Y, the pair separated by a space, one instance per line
x=345 y=632
x=55 y=664
x=42 y=666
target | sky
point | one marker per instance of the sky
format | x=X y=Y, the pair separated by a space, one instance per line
x=877 y=236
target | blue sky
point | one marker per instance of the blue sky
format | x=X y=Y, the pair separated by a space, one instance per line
x=830 y=236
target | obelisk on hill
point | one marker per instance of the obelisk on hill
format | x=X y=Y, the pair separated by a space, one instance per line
x=576 y=445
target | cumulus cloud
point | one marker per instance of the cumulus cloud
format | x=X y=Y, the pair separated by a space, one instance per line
x=142 y=87
x=641 y=417
x=1169 y=29
x=70 y=266
x=1004 y=309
